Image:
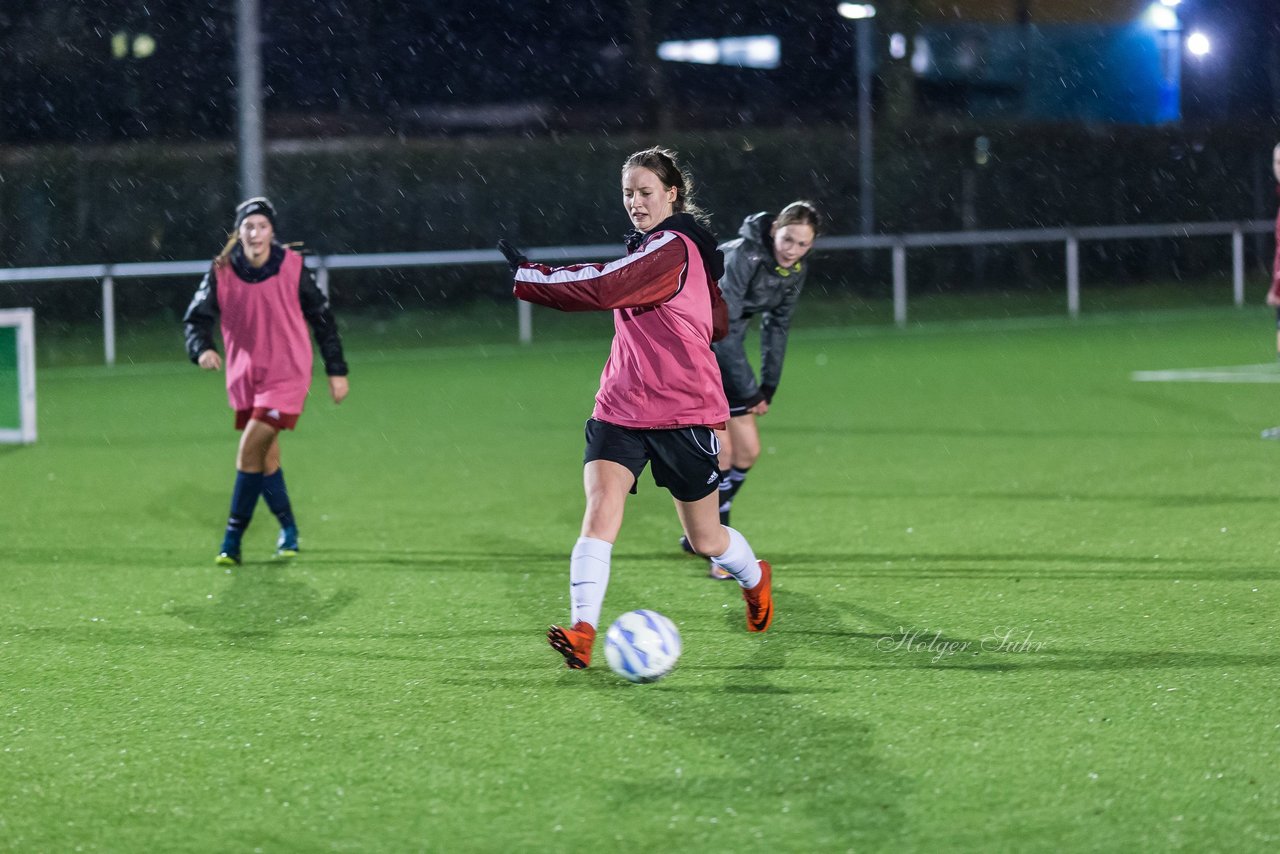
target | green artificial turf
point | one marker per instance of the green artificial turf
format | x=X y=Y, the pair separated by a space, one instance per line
x=1023 y=604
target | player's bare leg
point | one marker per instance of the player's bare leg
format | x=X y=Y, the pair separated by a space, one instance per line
x=739 y=448
x=256 y=443
x=730 y=551
x=606 y=485
x=738 y=453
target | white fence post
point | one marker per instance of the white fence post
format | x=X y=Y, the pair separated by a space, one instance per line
x=1073 y=276
x=524 y=321
x=109 y=317
x=1237 y=266
x=900 y=284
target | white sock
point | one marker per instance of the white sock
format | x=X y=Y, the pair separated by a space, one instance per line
x=739 y=561
x=588 y=579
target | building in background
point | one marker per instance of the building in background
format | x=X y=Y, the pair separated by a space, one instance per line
x=1143 y=62
x=1116 y=62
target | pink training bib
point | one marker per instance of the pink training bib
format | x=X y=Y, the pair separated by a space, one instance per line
x=661 y=371
x=268 y=359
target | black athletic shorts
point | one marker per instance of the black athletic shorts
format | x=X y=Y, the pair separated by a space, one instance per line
x=738 y=407
x=1278 y=318
x=684 y=459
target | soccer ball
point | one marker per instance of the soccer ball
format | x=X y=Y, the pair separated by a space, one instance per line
x=642 y=646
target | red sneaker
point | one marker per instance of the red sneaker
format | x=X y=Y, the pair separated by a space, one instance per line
x=574 y=644
x=760 y=600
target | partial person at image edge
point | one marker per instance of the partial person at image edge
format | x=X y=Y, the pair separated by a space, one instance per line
x=1273 y=295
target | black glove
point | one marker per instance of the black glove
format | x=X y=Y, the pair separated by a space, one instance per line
x=768 y=392
x=513 y=255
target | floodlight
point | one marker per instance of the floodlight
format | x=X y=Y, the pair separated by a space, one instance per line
x=856 y=11
x=1161 y=17
x=1198 y=44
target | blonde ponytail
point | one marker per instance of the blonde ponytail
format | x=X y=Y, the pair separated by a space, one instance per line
x=220 y=259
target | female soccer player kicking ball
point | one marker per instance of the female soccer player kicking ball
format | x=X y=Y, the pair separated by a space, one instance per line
x=660 y=396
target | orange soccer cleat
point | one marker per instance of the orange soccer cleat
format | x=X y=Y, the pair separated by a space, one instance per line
x=760 y=600
x=574 y=644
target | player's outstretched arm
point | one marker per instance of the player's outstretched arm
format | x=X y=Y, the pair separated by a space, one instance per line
x=647 y=277
x=513 y=255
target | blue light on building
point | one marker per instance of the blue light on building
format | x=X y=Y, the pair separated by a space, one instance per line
x=1121 y=74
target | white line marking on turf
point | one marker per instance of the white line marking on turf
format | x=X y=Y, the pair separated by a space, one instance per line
x=1265 y=373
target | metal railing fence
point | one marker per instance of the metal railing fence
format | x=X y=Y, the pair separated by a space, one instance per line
x=898 y=244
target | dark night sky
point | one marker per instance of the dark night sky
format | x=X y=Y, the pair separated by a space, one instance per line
x=364 y=64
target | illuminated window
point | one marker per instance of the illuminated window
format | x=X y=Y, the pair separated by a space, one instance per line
x=739 y=52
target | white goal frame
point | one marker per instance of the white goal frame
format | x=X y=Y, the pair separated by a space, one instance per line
x=24 y=320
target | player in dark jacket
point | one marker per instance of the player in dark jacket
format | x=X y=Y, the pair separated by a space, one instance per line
x=765 y=270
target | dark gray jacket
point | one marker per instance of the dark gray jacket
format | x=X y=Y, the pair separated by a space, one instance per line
x=754 y=285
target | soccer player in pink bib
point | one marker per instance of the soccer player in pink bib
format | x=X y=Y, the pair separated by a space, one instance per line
x=265 y=298
x=660 y=399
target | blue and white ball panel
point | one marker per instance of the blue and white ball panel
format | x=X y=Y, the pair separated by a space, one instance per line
x=642 y=646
